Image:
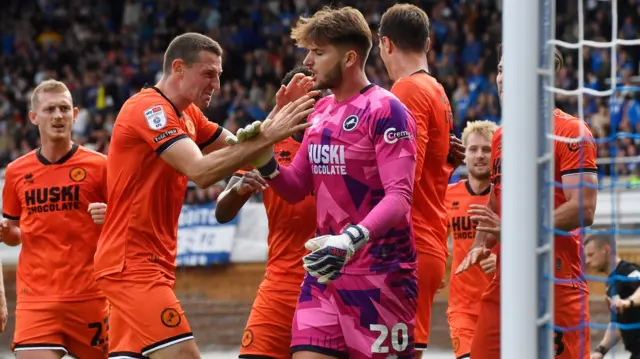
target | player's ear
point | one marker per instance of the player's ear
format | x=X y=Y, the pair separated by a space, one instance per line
x=32 y=118
x=387 y=44
x=75 y=114
x=177 y=67
x=351 y=58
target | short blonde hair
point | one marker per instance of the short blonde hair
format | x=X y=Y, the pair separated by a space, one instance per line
x=345 y=26
x=47 y=86
x=484 y=128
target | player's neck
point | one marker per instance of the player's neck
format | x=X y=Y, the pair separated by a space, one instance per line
x=350 y=86
x=54 y=150
x=407 y=64
x=479 y=185
x=171 y=91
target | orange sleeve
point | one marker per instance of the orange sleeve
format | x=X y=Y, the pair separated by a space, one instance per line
x=103 y=183
x=158 y=125
x=577 y=157
x=208 y=132
x=11 y=206
x=408 y=93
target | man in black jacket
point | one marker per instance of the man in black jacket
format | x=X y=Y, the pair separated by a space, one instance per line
x=623 y=295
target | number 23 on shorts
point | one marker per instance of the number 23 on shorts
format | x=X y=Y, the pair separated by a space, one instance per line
x=399 y=338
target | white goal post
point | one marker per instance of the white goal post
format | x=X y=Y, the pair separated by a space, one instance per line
x=527 y=167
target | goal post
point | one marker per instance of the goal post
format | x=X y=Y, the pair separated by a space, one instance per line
x=527 y=180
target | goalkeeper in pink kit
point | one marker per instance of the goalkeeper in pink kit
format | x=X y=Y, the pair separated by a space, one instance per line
x=358 y=298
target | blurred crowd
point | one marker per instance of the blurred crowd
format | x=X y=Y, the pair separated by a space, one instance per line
x=107 y=50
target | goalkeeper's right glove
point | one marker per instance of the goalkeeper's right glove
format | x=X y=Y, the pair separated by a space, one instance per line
x=331 y=253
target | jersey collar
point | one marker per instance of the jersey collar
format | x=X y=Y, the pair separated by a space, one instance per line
x=178 y=113
x=63 y=159
x=470 y=190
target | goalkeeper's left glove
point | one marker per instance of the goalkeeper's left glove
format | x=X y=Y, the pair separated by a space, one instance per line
x=331 y=253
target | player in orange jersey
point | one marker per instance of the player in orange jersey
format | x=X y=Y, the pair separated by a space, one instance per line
x=268 y=330
x=46 y=203
x=575 y=163
x=466 y=289
x=406 y=62
x=160 y=141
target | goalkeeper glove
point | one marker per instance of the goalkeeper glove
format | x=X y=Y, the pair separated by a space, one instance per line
x=247 y=133
x=331 y=253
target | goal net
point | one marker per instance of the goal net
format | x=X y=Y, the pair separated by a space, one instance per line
x=604 y=94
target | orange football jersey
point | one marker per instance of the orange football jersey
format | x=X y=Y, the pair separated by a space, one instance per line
x=428 y=102
x=570 y=159
x=290 y=225
x=465 y=288
x=59 y=237
x=145 y=193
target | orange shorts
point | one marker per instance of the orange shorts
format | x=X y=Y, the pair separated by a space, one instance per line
x=145 y=314
x=462 y=326
x=77 y=328
x=486 y=338
x=568 y=302
x=430 y=274
x=268 y=330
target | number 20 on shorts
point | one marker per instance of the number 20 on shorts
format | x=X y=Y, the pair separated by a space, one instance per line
x=399 y=337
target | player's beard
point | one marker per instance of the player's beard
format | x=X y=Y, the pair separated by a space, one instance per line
x=332 y=79
x=482 y=176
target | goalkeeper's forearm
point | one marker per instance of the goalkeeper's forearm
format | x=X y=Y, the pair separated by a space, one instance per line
x=230 y=201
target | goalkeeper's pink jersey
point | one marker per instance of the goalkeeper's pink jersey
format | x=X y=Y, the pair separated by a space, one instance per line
x=359 y=160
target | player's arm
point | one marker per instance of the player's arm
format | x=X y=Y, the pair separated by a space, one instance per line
x=205 y=170
x=294 y=182
x=238 y=192
x=579 y=180
x=409 y=94
x=210 y=136
x=483 y=241
x=396 y=165
x=10 y=232
x=4 y=313
x=175 y=147
x=11 y=210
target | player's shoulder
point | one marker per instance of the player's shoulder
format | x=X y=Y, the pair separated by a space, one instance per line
x=569 y=126
x=21 y=164
x=147 y=104
x=323 y=103
x=146 y=97
x=497 y=135
x=92 y=155
x=417 y=84
x=455 y=187
x=193 y=111
x=380 y=99
x=628 y=268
